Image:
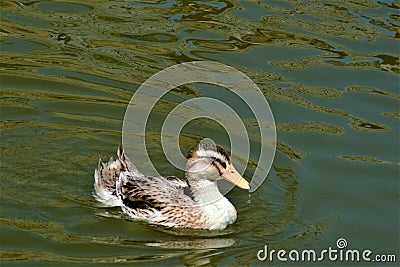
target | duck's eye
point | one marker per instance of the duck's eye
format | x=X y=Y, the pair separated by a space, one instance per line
x=222 y=163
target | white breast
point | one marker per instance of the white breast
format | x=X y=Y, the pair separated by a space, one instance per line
x=220 y=213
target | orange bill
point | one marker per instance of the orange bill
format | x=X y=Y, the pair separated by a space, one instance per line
x=232 y=175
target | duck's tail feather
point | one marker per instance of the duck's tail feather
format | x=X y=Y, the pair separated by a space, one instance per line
x=126 y=163
x=107 y=174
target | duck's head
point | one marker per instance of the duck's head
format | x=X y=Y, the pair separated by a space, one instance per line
x=210 y=162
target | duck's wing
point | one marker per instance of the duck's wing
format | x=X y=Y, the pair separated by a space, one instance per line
x=107 y=174
x=139 y=191
x=159 y=200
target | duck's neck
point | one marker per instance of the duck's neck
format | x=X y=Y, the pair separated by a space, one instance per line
x=204 y=191
x=219 y=210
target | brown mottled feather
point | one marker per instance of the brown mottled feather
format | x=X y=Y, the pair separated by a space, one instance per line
x=109 y=172
x=163 y=200
x=125 y=162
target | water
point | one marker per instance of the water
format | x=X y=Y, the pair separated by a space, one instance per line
x=329 y=69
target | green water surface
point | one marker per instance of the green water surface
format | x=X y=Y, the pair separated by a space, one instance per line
x=329 y=69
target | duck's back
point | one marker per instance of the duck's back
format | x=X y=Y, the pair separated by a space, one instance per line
x=159 y=200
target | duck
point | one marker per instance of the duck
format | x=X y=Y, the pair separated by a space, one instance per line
x=194 y=202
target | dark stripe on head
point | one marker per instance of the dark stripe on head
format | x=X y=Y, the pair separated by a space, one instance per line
x=220 y=172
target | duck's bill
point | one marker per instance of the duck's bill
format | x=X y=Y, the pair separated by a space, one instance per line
x=232 y=175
